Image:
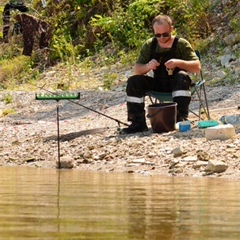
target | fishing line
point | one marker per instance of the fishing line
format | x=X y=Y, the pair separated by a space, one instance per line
x=81 y=105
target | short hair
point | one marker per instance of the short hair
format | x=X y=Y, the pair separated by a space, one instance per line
x=162 y=19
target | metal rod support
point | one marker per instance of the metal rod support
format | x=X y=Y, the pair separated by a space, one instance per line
x=58 y=137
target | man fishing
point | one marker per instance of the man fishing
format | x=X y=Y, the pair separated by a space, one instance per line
x=171 y=59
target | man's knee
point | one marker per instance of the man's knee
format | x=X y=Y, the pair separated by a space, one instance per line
x=133 y=82
x=133 y=79
x=181 y=81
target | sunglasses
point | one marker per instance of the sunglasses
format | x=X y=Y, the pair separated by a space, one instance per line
x=165 y=35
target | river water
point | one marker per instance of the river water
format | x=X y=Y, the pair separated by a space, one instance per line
x=71 y=204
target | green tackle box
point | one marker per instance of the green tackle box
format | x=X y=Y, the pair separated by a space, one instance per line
x=206 y=124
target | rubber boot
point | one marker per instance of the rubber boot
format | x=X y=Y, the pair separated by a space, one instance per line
x=137 y=125
x=136 y=115
x=182 y=108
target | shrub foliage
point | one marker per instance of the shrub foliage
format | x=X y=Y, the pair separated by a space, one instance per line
x=82 y=28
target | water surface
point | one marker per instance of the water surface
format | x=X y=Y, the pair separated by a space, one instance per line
x=71 y=204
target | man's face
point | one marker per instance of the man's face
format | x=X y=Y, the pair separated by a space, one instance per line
x=162 y=32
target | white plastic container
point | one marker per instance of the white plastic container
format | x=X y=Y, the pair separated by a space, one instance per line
x=220 y=132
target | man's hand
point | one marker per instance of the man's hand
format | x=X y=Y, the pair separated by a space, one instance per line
x=193 y=66
x=153 y=64
x=141 y=69
x=172 y=63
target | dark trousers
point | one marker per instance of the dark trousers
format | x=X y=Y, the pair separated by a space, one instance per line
x=138 y=86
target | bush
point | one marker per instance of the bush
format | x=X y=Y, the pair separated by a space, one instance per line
x=83 y=27
x=130 y=26
x=13 y=69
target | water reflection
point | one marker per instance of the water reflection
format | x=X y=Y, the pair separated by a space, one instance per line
x=65 y=204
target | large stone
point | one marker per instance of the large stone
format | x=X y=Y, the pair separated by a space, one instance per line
x=225 y=60
x=65 y=162
x=178 y=151
x=232 y=39
x=216 y=166
x=202 y=155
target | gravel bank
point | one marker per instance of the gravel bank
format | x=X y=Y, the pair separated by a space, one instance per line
x=90 y=141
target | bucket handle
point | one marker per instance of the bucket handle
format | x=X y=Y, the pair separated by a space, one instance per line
x=153 y=115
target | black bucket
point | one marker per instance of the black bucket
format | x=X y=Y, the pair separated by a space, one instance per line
x=162 y=116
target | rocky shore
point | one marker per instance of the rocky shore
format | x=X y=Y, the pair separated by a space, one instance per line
x=90 y=141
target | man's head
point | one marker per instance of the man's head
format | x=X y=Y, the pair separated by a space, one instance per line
x=162 y=27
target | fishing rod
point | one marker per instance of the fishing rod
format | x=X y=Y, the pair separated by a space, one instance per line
x=81 y=105
x=57 y=97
